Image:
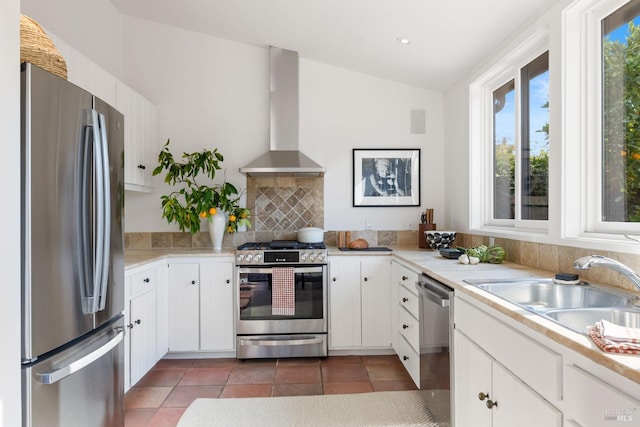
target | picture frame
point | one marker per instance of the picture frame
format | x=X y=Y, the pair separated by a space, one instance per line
x=386 y=177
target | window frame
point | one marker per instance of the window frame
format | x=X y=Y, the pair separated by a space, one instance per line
x=582 y=97
x=482 y=139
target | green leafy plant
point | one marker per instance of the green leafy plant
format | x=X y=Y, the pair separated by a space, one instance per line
x=193 y=201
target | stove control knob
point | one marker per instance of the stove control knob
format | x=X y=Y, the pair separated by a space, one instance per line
x=304 y=256
x=249 y=257
x=240 y=258
x=257 y=258
x=312 y=257
x=321 y=256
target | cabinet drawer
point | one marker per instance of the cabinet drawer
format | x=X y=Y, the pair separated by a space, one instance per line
x=406 y=276
x=536 y=365
x=409 y=301
x=410 y=359
x=409 y=328
x=142 y=282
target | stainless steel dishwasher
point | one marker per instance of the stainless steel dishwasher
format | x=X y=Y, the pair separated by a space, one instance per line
x=436 y=352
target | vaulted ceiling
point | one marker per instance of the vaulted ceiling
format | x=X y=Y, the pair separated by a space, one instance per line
x=447 y=38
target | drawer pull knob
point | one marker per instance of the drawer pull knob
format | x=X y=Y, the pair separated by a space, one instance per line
x=405 y=357
x=405 y=278
x=146 y=280
x=491 y=404
x=404 y=300
x=228 y=281
x=482 y=396
x=137 y=322
x=193 y=282
x=143 y=167
x=405 y=326
x=365 y=279
x=333 y=279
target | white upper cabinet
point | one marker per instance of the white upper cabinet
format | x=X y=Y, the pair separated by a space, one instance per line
x=140 y=138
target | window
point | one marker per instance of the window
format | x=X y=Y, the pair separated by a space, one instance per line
x=532 y=175
x=620 y=58
x=510 y=128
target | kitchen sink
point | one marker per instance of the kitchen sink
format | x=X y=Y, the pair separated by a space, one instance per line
x=573 y=306
x=578 y=319
x=544 y=294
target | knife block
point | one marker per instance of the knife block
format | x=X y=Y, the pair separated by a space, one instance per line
x=422 y=240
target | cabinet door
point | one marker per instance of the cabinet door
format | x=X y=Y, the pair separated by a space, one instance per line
x=216 y=306
x=150 y=149
x=162 y=311
x=184 y=307
x=518 y=405
x=142 y=335
x=345 y=321
x=472 y=375
x=376 y=307
x=590 y=401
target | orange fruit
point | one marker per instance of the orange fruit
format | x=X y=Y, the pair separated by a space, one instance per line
x=203 y=214
x=212 y=211
x=243 y=215
x=232 y=218
x=230 y=229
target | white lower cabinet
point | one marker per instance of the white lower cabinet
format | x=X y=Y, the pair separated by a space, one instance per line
x=591 y=401
x=359 y=309
x=486 y=394
x=144 y=317
x=502 y=377
x=201 y=313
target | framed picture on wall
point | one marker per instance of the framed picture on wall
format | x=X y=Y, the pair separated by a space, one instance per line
x=386 y=177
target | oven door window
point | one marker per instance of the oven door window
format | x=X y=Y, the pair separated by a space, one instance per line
x=255 y=293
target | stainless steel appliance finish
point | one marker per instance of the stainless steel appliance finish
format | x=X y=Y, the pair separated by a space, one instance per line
x=72 y=255
x=260 y=332
x=284 y=158
x=436 y=338
x=281 y=252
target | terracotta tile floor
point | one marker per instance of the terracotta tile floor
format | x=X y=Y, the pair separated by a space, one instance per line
x=161 y=397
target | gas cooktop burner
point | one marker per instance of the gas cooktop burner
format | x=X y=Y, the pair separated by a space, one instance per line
x=280 y=244
x=281 y=252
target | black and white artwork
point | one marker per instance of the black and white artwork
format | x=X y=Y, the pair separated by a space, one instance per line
x=386 y=177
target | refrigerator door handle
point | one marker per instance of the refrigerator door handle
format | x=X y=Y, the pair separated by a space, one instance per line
x=54 y=376
x=104 y=212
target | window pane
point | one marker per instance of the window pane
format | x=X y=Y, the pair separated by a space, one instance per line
x=504 y=131
x=621 y=115
x=535 y=139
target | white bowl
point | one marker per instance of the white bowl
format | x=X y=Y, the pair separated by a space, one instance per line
x=437 y=239
x=310 y=235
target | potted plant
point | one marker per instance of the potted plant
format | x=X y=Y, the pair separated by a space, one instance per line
x=193 y=201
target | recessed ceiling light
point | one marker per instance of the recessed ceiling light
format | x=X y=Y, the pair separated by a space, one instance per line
x=403 y=40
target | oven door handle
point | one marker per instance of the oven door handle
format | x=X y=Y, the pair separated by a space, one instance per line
x=280 y=341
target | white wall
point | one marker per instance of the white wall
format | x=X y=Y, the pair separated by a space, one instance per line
x=92 y=27
x=214 y=93
x=10 y=412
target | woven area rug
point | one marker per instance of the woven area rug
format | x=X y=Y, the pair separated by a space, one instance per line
x=389 y=408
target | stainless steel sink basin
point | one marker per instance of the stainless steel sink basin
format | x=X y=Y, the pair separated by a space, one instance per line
x=573 y=306
x=578 y=319
x=544 y=294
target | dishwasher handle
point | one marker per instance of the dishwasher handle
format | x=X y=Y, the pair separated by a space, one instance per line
x=434 y=291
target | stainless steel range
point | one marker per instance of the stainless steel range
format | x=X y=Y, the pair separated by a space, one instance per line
x=282 y=299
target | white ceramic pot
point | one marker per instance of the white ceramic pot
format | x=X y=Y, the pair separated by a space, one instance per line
x=310 y=235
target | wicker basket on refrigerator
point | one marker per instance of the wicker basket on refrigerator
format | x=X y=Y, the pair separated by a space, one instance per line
x=38 y=49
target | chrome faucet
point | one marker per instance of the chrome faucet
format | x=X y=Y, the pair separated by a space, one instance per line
x=587 y=262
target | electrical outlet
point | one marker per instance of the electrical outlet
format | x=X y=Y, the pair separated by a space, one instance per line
x=367 y=224
x=492 y=241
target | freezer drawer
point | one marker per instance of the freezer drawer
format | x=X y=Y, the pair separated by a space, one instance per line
x=82 y=386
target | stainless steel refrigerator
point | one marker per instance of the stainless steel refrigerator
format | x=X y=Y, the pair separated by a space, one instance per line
x=72 y=179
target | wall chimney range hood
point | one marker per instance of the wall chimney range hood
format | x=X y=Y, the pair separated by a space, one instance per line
x=284 y=157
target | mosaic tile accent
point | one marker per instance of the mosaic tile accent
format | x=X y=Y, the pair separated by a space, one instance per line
x=285 y=204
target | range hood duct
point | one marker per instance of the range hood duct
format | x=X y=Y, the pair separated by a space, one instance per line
x=284 y=157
